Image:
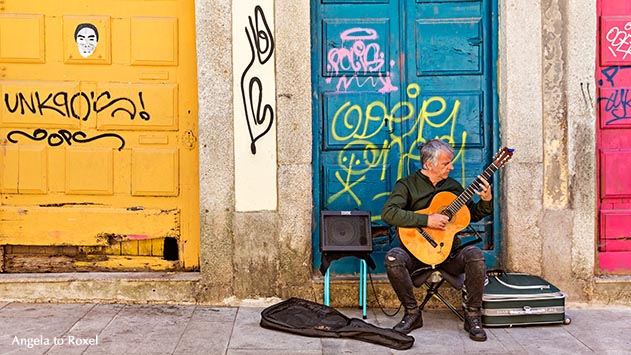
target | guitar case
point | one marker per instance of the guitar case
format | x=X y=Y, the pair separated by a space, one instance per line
x=302 y=317
x=521 y=299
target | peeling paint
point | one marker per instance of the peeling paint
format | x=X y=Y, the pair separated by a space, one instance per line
x=70 y=204
x=110 y=238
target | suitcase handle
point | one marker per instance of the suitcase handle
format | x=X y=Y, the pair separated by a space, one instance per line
x=527 y=310
x=517 y=287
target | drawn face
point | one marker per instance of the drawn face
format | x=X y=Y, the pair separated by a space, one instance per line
x=87 y=40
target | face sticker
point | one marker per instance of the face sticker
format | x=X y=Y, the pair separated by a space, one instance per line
x=87 y=37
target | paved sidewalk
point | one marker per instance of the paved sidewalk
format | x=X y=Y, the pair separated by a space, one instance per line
x=43 y=328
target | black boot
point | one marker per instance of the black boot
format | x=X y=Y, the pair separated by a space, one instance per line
x=473 y=324
x=412 y=319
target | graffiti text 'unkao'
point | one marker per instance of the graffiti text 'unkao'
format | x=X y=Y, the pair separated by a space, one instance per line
x=79 y=105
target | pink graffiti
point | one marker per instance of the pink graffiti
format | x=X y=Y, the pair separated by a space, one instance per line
x=619 y=40
x=386 y=84
x=358 y=34
x=361 y=57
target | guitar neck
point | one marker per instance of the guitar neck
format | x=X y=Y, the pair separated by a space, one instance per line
x=464 y=197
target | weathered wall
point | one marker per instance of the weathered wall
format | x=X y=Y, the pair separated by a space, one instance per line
x=214 y=53
x=521 y=125
x=547 y=113
x=293 y=33
x=580 y=92
x=546 y=88
x=546 y=71
x=267 y=253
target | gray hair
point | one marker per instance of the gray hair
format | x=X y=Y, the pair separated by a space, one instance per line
x=430 y=149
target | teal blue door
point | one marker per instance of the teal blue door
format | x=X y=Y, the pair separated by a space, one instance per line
x=389 y=75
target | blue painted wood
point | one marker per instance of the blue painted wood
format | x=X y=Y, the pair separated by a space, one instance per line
x=387 y=76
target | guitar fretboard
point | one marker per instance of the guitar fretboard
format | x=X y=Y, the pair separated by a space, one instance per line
x=464 y=197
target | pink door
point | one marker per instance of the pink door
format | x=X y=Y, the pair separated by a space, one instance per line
x=614 y=135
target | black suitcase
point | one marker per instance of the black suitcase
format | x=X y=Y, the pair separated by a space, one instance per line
x=521 y=299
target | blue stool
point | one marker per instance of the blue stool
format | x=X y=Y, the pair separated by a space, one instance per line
x=363 y=270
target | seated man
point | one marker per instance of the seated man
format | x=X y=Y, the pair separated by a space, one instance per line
x=414 y=193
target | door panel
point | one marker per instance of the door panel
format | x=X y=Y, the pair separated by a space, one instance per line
x=98 y=126
x=614 y=137
x=451 y=45
x=439 y=52
x=390 y=75
x=357 y=79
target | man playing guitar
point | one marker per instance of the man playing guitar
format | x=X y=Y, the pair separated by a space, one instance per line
x=402 y=209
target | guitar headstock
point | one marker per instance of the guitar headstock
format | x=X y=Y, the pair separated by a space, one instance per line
x=503 y=156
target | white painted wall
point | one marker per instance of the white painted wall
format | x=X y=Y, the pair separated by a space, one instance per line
x=254 y=90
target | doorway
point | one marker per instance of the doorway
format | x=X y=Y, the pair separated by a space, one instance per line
x=389 y=75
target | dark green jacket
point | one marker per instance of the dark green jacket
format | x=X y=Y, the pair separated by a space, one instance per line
x=415 y=192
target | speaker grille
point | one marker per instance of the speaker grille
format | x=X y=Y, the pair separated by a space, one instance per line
x=345 y=231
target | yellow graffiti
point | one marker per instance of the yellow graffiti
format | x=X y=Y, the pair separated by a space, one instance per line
x=358 y=126
x=348 y=186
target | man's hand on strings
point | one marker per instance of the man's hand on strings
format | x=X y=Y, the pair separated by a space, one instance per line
x=437 y=221
x=484 y=190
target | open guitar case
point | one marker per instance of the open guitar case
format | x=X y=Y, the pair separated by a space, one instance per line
x=302 y=317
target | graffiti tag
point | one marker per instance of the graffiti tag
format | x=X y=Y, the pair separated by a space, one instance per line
x=361 y=57
x=66 y=104
x=619 y=40
x=62 y=136
x=357 y=126
x=259 y=117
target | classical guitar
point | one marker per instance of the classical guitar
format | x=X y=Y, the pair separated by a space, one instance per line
x=432 y=246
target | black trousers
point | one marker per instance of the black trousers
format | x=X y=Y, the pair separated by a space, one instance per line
x=469 y=260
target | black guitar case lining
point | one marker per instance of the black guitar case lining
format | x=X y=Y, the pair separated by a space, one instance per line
x=311 y=319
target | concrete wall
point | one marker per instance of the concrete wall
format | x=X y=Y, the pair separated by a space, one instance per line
x=547 y=55
x=548 y=113
x=266 y=253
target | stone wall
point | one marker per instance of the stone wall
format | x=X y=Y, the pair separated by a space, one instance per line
x=546 y=112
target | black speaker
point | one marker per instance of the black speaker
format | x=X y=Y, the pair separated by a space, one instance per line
x=345 y=231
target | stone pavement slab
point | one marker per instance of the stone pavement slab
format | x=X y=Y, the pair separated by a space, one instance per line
x=248 y=338
x=95 y=329
x=208 y=331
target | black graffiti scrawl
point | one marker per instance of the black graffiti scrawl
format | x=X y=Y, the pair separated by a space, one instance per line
x=63 y=136
x=259 y=116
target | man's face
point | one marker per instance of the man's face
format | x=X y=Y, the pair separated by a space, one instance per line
x=86 y=41
x=444 y=166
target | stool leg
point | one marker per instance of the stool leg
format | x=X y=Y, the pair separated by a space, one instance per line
x=326 y=288
x=449 y=305
x=431 y=291
x=362 y=287
x=361 y=284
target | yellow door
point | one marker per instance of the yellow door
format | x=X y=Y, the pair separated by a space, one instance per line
x=98 y=135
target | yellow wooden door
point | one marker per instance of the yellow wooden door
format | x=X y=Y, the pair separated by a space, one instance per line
x=98 y=133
